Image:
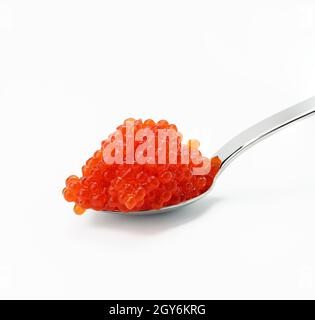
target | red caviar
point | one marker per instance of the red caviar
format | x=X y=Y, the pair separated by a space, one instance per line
x=134 y=187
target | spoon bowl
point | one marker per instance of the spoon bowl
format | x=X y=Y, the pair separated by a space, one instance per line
x=164 y=209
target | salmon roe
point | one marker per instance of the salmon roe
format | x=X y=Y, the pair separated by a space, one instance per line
x=134 y=187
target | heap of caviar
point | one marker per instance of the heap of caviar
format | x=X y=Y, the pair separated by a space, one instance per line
x=134 y=187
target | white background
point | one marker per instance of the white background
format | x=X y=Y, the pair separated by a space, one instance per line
x=71 y=71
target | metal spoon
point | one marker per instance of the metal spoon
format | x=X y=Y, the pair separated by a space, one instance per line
x=244 y=141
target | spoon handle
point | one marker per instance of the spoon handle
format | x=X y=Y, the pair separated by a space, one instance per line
x=264 y=129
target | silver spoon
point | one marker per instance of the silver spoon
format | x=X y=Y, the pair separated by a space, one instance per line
x=244 y=141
